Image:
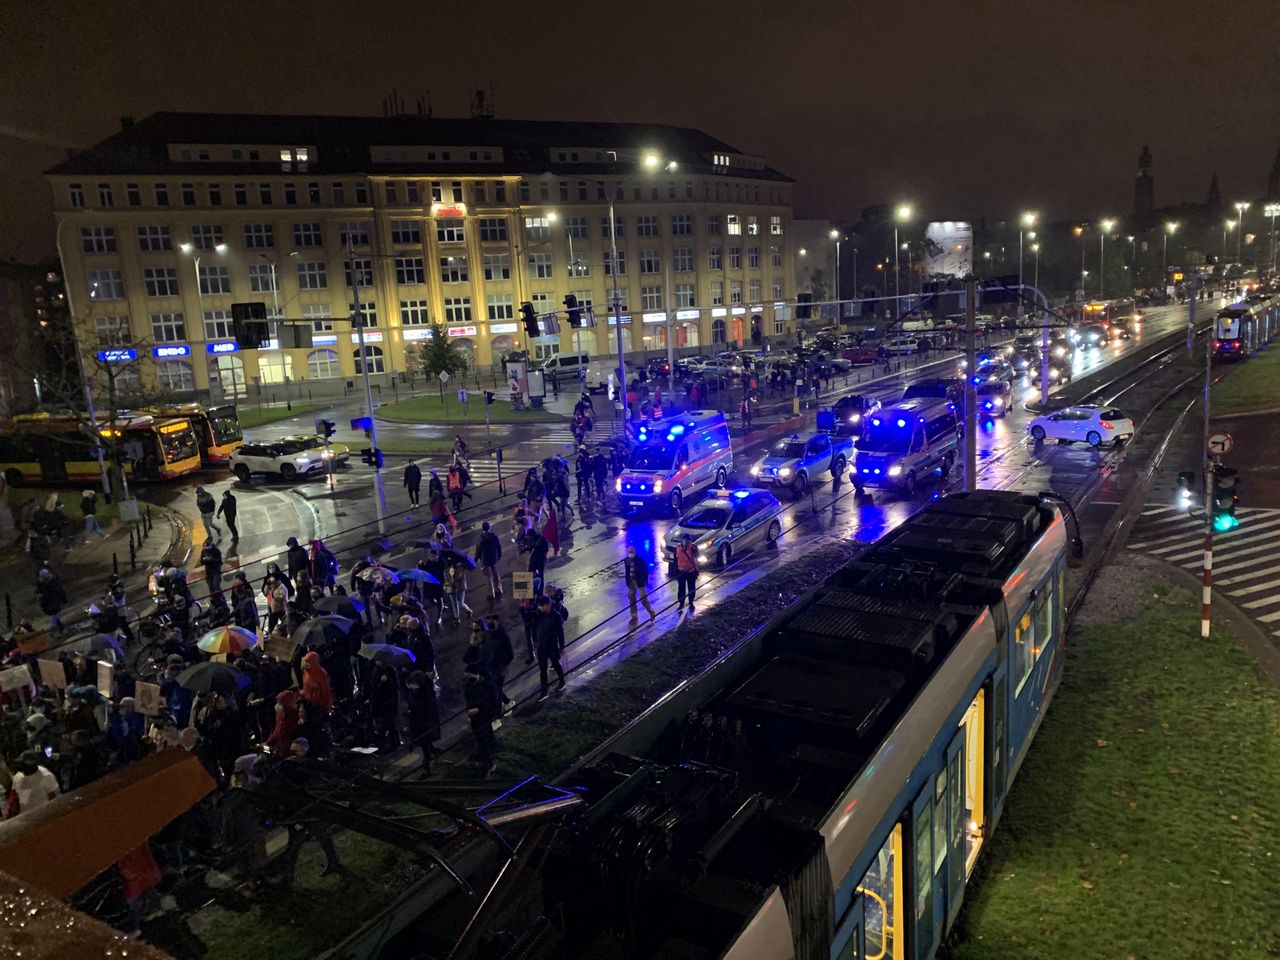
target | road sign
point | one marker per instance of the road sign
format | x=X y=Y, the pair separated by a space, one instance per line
x=443 y=376
x=462 y=395
x=1220 y=444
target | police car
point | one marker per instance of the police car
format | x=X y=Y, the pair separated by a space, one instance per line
x=727 y=523
x=793 y=461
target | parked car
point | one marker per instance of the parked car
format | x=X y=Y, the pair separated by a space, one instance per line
x=793 y=461
x=938 y=388
x=726 y=524
x=895 y=346
x=1090 y=423
x=288 y=457
x=861 y=356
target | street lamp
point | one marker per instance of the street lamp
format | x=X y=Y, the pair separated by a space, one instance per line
x=835 y=235
x=1227 y=227
x=1028 y=221
x=1106 y=224
x=1272 y=210
x=1170 y=227
x=192 y=251
x=1241 y=206
x=1078 y=230
x=1035 y=280
x=901 y=215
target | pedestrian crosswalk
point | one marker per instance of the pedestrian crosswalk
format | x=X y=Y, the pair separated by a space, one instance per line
x=1246 y=560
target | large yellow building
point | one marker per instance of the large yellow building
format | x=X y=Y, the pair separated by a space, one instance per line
x=165 y=225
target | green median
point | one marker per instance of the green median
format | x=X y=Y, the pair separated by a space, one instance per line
x=259 y=416
x=447 y=409
x=1249 y=386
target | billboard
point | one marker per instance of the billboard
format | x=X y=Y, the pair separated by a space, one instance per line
x=948 y=249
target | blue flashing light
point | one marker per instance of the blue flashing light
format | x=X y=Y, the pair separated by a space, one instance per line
x=921 y=419
x=677 y=429
x=876 y=422
x=989 y=405
x=739 y=494
x=976 y=381
x=876 y=470
x=901 y=422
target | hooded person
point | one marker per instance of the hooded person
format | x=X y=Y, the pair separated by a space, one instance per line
x=316 y=688
x=296 y=557
x=286 y=726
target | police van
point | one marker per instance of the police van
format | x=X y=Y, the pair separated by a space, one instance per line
x=904 y=444
x=674 y=458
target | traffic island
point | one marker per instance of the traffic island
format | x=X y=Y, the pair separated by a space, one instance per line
x=1146 y=817
x=448 y=409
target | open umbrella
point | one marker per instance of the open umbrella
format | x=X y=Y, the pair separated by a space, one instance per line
x=342 y=606
x=457 y=558
x=321 y=630
x=414 y=575
x=212 y=677
x=378 y=575
x=228 y=639
x=387 y=653
x=107 y=643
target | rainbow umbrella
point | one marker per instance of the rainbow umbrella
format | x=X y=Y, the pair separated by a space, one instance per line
x=228 y=640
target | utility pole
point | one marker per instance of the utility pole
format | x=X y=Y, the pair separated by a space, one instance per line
x=358 y=319
x=970 y=390
x=1206 y=589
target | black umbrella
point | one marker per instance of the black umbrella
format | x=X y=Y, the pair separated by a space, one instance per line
x=212 y=677
x=387 y=653
x=342 y=606
x=321 y=630
x=457 y=558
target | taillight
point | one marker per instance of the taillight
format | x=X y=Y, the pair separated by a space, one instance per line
x=1107 y=426
x=1217 y=344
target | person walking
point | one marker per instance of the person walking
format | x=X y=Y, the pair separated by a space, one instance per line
x=89 y=509
x=206 y=505
x=686 y=572
x=496 y=649
x=582 y=468
x=636 y=573
x=297 y=558
x=434 y=487
x=424 y=715
x=487 y=554
x=52 y=597
x=744 y=410
x=211 y=560
x=600 y=472
x=537 y=546
x=413 y=482
x=227 y=509
x=482 y=710
x=458 y=591
x=316 y=688
x=548 y=642
x=275 y=595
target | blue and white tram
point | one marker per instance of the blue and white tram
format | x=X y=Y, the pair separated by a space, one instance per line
x=824 y=791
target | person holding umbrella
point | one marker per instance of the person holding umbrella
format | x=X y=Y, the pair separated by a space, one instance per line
x=384 y=702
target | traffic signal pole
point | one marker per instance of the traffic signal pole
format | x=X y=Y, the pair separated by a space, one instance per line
x=970 y=388
x=358 y=320
x=1206 y=587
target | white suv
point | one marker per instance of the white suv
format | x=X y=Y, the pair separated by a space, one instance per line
x=290 y=458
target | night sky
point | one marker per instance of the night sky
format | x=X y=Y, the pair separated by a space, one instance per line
x=965 y=109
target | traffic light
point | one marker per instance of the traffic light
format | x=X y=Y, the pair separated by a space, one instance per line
x=249 y=325
x=1186 y=486
x=325 y=428
x=530 y=318
x=575 y=315
x=1224 y=499
x=372 y=456
x=488 y=397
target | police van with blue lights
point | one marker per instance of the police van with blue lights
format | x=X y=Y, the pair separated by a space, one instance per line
x=675 y=458
x=794 y=461
x=906 y=444
x=726 y=524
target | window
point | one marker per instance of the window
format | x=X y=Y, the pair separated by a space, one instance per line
x=493 y=230
x=264 y=194
x=717 y=293
x=241 y=192
x=453 y=270
x=160 y=281
x=735 y=291
x=106 y=285
x=576 y=227
x=392 y=194
x=217 y=325
x=168 y=327
x=188 y=194
x=608 y=263
x=714 y=260
x=214 y=280
x=449 y=230
x=362 y=193
x=735 y=225
x=646 y=226
x=619 y=224
x=500 y=307
x=650 y=298
x=775 y=226
x=682 y=224
x=262 y=277
x=775 y=256
x=104 y=195
x=537 y=229
x=161 y=193
x=650 y=261
x=541 y=303
x=717 y=330
x=413 y=313
x=374 y=354
x=753 y=289
x=206 y=236
x=777 y=288
x=259 y=236
x=713 y=224
x=410 y=270
x=359 y=271
x=457 y=309
x=312 y=275
x=753 y=257
x=671 y=189
x=753 y=227
x=497 y=266
x=684 y=295
x=1031 y=635
x=499 y=191
x=134 y=193
x=406 y=231
x=339 y=192
x=777 y=323
x=735 y=258
x=175 y=375
x=98 y=239
x=320 y=316
x=540 y=266
x=366 y=316
x=154 y=239
x=437 y=191
x=313 y=193
x=682 y=259
x=112 y=331
x=323 y=365
x=355 y=233
x=307 y=235
x=456 y=187
x=75 y=194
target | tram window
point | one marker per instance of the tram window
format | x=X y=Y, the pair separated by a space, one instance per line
x=923 y=847
x=882 y=937
x=1044 y=621
x=1024 y=651
x=940 y=820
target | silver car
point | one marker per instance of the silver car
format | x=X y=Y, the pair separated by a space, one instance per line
x=727 y=523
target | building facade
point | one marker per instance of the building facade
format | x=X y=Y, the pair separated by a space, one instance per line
x=165 y=225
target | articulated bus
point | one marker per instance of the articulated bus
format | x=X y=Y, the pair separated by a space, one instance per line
x=48 y=448
x=217 y=428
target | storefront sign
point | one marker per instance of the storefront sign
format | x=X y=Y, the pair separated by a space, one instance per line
x=653 y=318
x=117 y=356
x=688 y=314
x=224 y=346
x=164 y=353
x=324 y=340
x=449 y=210
x=467 y=330
x=757 y=308
x=613 y=320
x=739 y=311
x=504 y=327
x=416 y=333
x=719 y=312
x=370 y=336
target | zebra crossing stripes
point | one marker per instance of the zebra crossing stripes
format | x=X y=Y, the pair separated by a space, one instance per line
x=1245 y=560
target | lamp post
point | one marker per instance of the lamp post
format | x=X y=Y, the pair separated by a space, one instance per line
x=901 y=215
x=191 y=250
x=1106 y=224
x=1227 y=227
x=1241 y=206
x=1027 y=221
x=1272 y=210
x=1170 y=227
x=857 y=296
x=1035 y=281
x=835 y=235
x=1078 y=230
x=1133 y=258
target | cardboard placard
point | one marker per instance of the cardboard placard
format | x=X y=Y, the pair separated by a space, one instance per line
x=147 y=696
x=106 y=679
x=522 y=585
x=15 y=678
x=35 y=643
x=52 y=675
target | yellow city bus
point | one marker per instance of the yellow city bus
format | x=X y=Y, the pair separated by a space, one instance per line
x=49 y=448
x=217 y=428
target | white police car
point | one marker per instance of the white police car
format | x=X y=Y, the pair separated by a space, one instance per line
x=727 y=523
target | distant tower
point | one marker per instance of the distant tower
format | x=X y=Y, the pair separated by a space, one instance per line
x=1273 y=180
x=1214 y=201
x=1144 y=188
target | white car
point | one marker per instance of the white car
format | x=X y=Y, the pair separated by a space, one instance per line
x=1089 y=423
x=290 y=457
x=900 y=345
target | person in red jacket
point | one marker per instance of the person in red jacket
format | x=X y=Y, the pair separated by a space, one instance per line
x=286 y=726
x=316 y=688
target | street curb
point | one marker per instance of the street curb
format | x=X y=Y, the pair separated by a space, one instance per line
x=1269 y=412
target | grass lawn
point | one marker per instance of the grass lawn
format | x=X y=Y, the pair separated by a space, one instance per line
x=1253 y=385
x=70 y=499
x=251 y=416
x=448 y=410
x=433 y=446
x=1145 y=819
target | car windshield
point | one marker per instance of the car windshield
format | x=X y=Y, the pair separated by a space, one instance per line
x=707 y=517
x=884 y=437
x=652 y=457
x=226 y=426
x=791 y=449
x=997 y=389
x=288 y=447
